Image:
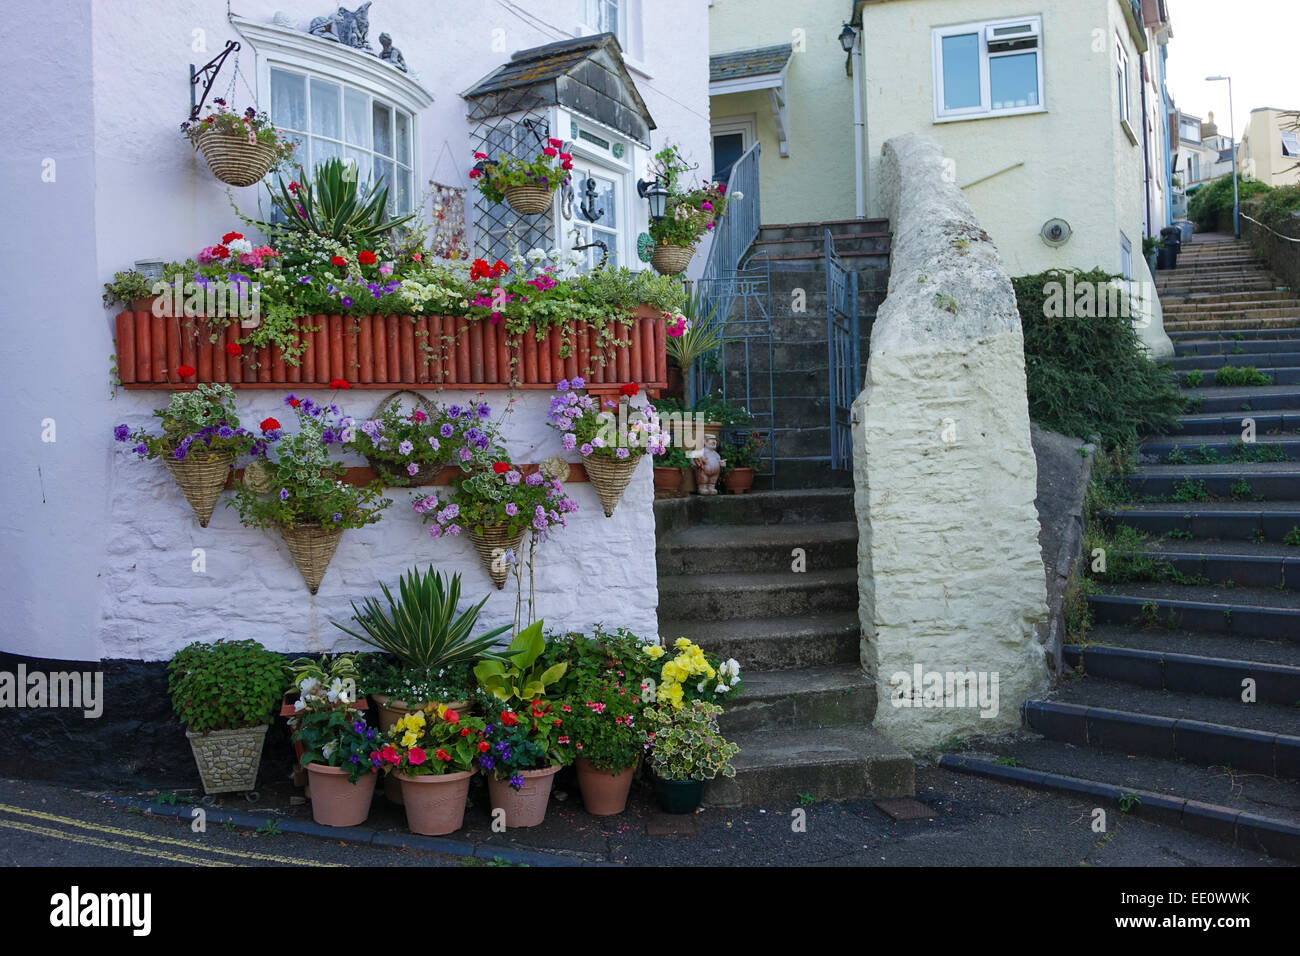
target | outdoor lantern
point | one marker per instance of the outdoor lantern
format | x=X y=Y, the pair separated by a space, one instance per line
x=847 y=37
x=655 y=193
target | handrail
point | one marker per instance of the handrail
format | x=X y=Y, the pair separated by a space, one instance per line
x=1269 y=228
x=738 y=227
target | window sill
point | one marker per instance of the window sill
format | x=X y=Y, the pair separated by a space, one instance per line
x=1128 y=131
x=1027 y=111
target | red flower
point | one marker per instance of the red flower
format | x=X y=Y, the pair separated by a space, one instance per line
x=221 y=252
x=185 y=371
x=475 y=173
x=389 y=755
x=550 y=151
x=366 y=257
x=558 y=723
x=500 y=467
x=508 y=718
x=566 y=708
x=417 y=756
x=499 y=268
x=295 y=402
x=293 y=187
x=480 y=155
x=479 y=269
x=565 y=157
x=451 y=717
x=231 y=237
x=234 y=348
x=338 y=261
x=483 y=746
x=555 y=142
x=630 y=389
x=269 y=424
x=442 y=754
x=464 y=731
x=339 y=383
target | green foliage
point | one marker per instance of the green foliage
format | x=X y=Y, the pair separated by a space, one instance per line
x=673 y=457
x=703 y=333
x=225 y=685
x=1192 y=379
x=1091 y=377
x=198 y=422
x=454 y=682
x=516 y=675
x=612 y=289
x=1190 y=489
x=127 y=286
x=548 y=170
x=1278 y=208
x=421 y=628
x=1241 y=490
x=688 y=744
x=333 y=734
x=1292 y=537
x=743 y=454
x=331 y=204
x=323 y=671
x=689 y=212
x=1236 y=375
x=1209 y=201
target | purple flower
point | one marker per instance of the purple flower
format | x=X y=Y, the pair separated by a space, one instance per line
x=412 y=469
x=331 y=289
x=562 y=385
x=435 y=531
x=284 y=494
x=121 y=433
x=449 y=512
x=585 y=450
x=453 y=529
x=512 y=477
x=621 y=453
x=180 y=452
x=405 y=447
x=225 y=431
x=346 y=302
x=339 y=517
x=517 y=781
x=569 y=441
x=304 y=279
x=453 y=411
x=141 y=449
x=465 y=454
x=511 y=509
x=359 y=726
x=486 y=762
x=539 y=523
x=504 y=748
x=484 y=411
x=446 y=431
x=434 y=444
x=577 y=383
x=534 y=479
x=328 y=437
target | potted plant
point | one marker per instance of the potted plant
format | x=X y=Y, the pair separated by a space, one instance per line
x=742 y=459
x=201 y=437
x=688 y=213
x=687 y=751
x=528 y=185
x=323 y=675
x=411 y=448
x=690 y=674
x=433 y=752
x=692 y=332
x=611 y=440
x=668 y=472
x=497 y=507
x=302 y=495
x=224 y=694
x=239 y=148
x=131 y=289
x=341 y=754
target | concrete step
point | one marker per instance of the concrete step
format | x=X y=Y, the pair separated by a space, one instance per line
x=1226 y=297
x=1249 y=811
x=804 y=506
x=1218 y=483
x=784 y=230
x=1265 y=650
x=775 y=766
x=1264 y=448
x=810 y=698
x=1221 y=677
x=1223 y=314
x=1258 y=359
x=810 y=473
x=1247 y=335
x=1212 y=609
x=779 y=643
x=849 y=243
x=1266 y=422
x=1227 y=520
x=1230 y=347
x=1200 y=327
x=1218 y=398
x=766 y=548
x=719 y=597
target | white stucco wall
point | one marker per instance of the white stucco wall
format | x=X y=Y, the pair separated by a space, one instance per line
x=94 y=544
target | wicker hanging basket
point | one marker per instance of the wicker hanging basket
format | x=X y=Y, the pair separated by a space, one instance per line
x=312 y=547
x=233 y=159
x=201 y=477
x=491 y=546
x=670 y=260
x=426 y=472
x=610 y=478
x=529 y=200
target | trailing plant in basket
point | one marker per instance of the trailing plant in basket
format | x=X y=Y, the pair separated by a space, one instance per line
x=203 y=422
x=548 y=170
x=431 y=436
x=304 y=485
x=617 y=431
x=225 y=685
x=499 y=497
x=689 y=212
x=251 y=124
x=686 y=743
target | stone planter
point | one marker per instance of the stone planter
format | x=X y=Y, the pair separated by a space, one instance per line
x=435 y=804
x=604 y=794
x=335 y=801
x=525 y=807
x=738 y=481
x=228 y=759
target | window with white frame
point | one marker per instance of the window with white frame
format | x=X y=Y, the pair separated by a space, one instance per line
x=1290 y=143
x=329 y=118
x=1125 y=257
x=619 y=17
x=1121 y=78
x=988 y=69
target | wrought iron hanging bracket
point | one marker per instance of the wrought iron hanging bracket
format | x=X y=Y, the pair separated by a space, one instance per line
x=208 y=74
x=596 y=244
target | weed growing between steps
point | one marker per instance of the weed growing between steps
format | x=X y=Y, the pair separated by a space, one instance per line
x=1088 y=375
x=1240 y=451
x=1231 y=376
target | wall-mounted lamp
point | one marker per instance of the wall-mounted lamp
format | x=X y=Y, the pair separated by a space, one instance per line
x=848 y=37
x=656 y=194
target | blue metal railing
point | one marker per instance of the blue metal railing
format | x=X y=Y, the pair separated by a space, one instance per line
x=734 y=233
x=842 y=348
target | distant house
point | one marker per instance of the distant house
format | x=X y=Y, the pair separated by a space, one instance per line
x=1270 y=147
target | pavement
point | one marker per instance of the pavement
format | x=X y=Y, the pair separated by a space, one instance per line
x=963 y=821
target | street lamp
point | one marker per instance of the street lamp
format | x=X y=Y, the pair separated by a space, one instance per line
x=1232 y=124
x=848 y=37
x=656 y=194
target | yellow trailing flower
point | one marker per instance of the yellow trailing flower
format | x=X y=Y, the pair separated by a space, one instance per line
x=653 y=651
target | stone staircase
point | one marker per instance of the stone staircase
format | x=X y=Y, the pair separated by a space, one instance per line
x=1158 y=727
x=800 y=396
x=803 y=718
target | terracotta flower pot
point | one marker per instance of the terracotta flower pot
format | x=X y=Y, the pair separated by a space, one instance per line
x=525 y=807
x=679 y=796
x=668 y=481
x=435 y=804
x=604 y=794
x=737 y=481
x=335 y=802
x=390 y=712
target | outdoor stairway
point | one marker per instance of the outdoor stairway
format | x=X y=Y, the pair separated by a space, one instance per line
x=794 y=254
x=1158 y=725
x=803 y=717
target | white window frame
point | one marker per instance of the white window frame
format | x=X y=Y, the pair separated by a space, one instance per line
x=1294 y=137
x=746 y=126
x=984 y=109
x=1122 y=78
x=633 y=214
x=630 y=32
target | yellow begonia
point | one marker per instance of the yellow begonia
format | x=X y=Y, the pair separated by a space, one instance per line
x=654 y=651
x=409 y=739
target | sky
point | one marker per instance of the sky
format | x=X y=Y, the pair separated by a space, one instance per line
x=1256 y=42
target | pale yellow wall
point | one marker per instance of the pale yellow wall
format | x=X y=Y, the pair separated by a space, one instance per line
x=1261 y=150
x=1077 y=163
x=816 y=182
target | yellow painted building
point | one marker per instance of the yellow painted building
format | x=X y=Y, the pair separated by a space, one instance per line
x=1270 y=148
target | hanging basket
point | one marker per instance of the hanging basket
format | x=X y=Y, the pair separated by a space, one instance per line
x=670 y=260
x=610 y=478
x=312 y=547
x=201 y=477
x=487 y=545
x=529 y=200
x=233 y=159
x=426 y=472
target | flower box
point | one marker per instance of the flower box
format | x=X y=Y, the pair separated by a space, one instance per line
x=383 y=352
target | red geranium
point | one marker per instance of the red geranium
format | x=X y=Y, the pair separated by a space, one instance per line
x=295 y=402
x=268 y=424
x=366 y=257
x=221 y=252
x=479 y=269
x=234 y=348
x=231 y=237
x=499 y=268
x=338 y=261
x=185 y=371
x=550 y=151
x=500 y=467
x=554 y=142
x=339 y=383
x=483 y=746
x=417 y=756
x=508 y=718
x=630 y=389
x=475 y=173
x=480 y=155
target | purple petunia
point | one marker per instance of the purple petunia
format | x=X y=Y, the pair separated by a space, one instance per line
x=561 y=386
x=180 y=452
x=121 y=433
x=585 y=450
x=405 y=447
x=511 y=509
x=569 y=441
x=346 y=302
x=484 y=411
x=512 y=477
x=536 y=478
x=446 y=431
x=141 y=449
x=621 y=453
x=412 y=469
x=328 y=437
x=225 y=431
x=453 y=411
x=284 y=494
x=577 y=383
x=434 y=443
x=465 y=454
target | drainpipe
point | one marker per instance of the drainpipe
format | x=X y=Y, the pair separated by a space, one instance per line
x=1146 y=153
x=859 y=129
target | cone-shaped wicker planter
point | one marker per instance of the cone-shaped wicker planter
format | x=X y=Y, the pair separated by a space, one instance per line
x=312 y=547
x=233 y=159
x=529 y=200
x=201 y=479
x=670 y=260
x=610 y=478
x=487 y=545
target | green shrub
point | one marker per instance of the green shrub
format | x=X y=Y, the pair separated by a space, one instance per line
x=1235 y=375
x=224 y=686
x=1208 y=201
x=1091 y=377
x=1278 y=207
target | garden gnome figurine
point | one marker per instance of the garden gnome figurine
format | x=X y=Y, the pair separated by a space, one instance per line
x=708 y=466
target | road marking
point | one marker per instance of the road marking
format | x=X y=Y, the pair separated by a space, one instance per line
x=150 y=852
x=151 y=838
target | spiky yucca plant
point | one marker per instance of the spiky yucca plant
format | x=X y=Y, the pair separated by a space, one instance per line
x=331 y=203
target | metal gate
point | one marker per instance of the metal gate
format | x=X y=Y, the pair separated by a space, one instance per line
x=842 y=346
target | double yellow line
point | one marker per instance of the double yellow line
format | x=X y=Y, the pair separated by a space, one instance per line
x=118 y=839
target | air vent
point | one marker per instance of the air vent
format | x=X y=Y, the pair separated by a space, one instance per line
x=1009 y=37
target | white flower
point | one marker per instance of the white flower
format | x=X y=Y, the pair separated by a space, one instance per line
x=239 y=245
x=308 y=686
x=335 y=692
x=299 y=705
x=537 y=255
x=736 y=196
x=700 y=687
x=327 y=750
x=721 y=689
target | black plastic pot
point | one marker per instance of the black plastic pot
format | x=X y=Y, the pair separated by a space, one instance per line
x=679 y=796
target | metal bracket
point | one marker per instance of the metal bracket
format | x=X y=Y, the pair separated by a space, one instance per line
x=597 y=244
x=208 y=73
